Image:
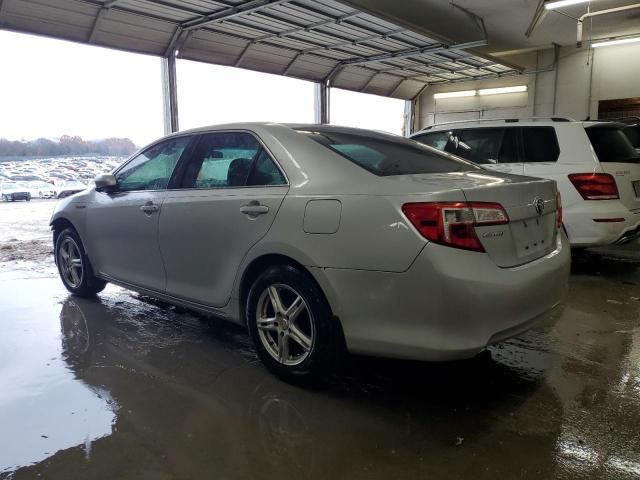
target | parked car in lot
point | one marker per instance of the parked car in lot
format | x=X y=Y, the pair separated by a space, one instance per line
x=318 y=236
x=42 y=190
x=13 y=191
x=69 y=188
x=593 y=163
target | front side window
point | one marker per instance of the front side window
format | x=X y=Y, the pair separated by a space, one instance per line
x=479 y=145
x=152 y=169
x=387 y=155
x=231 y=159
x=540 y=144
x=436 y=139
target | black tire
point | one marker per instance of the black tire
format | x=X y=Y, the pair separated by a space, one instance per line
x=28 y=198
x=83 y=283
x=315 y=322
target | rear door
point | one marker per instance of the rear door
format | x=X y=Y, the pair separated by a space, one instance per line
x=618 y=158
x=230 y=192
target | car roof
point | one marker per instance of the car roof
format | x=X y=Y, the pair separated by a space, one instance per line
x=272 y=126
x=514 y=122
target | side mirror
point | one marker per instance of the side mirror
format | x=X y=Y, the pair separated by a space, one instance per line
x=105 y=182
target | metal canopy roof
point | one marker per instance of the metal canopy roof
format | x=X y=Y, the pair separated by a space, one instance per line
x=317 y=40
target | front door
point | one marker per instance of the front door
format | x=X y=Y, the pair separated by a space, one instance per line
x=122 y=225
x=231 y=192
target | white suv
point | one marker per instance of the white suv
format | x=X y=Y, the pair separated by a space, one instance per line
x=594 y=164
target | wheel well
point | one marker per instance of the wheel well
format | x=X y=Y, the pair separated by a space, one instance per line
x=58 y=225
x=259 y=265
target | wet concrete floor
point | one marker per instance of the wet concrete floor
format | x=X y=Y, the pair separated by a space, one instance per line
x=121 y=387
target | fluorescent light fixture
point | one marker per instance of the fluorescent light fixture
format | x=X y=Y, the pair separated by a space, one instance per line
x=562 y=3
x=619 y=41
x=495 y=91
x=461 y=93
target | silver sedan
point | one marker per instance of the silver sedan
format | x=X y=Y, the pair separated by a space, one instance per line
x=322 y=238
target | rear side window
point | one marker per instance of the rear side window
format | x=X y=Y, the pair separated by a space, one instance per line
x=611 y=145
x=633 y=134
x=387 y=155
x=540 y=144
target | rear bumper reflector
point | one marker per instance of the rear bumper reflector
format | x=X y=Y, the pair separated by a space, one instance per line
x=608 y=220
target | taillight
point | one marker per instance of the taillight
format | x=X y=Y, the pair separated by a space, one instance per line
x=453 y=223
x=558 y=210
x=595 y=186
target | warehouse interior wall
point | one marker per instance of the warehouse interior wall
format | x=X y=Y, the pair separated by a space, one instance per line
x=572 y=88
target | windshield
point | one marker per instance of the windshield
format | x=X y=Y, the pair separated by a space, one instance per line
x=388 y=155
x=612 y=145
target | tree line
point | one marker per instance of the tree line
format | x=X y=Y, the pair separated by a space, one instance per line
x=67 y=145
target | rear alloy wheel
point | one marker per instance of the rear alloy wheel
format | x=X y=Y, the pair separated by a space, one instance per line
x=5 y=198
x=291 y=325
x=286 y=326
x=74 y=267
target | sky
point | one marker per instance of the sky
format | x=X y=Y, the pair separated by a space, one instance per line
x=49 y=88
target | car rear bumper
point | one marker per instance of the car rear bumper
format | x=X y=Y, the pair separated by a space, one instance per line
x=584 y=231
x=449 y=304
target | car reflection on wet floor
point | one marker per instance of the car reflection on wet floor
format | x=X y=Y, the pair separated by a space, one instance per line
x=124 y=387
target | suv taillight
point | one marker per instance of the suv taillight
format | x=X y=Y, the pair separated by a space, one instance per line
x=558 y=209
x=595 y=186
x=453 y=223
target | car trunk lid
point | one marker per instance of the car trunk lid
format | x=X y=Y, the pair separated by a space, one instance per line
x=530 y=203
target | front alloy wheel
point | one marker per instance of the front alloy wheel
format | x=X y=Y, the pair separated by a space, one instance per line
x=74 y=266
x=70 y=262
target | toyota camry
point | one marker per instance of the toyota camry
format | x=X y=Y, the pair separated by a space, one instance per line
x=320 y=238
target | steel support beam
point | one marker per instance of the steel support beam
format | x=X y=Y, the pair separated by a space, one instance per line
x=322 y=103
x=231 y=12
x=413 y=51
x=409 y=117
x=96 y=22
x=170 y=94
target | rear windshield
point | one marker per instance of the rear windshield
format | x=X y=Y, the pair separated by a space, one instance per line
x=611 y=145
x=388 y=156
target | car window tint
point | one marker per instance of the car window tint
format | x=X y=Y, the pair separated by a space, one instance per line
x=509 y=148
x=611 y=144
x=152 y=169
x=436 y=139
x=540 y=144
x=386 y=155
x=265 y=172
x=633 y=134
x=221 y=160
x=479 y=145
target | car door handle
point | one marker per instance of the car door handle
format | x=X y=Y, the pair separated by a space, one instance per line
x=149 y=208
x=254 y=209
